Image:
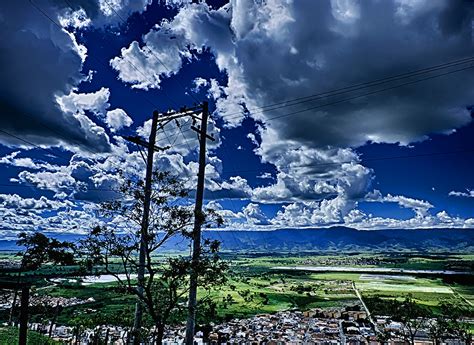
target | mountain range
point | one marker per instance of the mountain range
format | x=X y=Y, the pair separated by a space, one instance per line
x=320 y=239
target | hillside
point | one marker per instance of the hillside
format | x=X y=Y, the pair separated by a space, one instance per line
x=324 y=239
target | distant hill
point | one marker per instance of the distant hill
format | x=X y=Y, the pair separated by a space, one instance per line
x=347 y=239
x=323 y=239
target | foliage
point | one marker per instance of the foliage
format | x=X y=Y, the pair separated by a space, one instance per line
x=449 y=324
x=410 y=314
x=40 y=249
x=166 y=281
x=9 y=335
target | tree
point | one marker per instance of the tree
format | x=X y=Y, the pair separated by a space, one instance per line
x=40 y=249
x=411 y=315
x=115 y=249
x=449 y=324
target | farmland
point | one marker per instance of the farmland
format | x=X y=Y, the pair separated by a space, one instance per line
x=255 y=287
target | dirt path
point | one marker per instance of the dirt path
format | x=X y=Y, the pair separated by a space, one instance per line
x=369 y=316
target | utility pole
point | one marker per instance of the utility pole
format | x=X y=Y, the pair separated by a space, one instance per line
x=145 y=222
x=25 y=296
x=198 y=220
x=164 y=119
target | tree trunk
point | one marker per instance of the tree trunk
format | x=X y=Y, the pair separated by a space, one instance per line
x=77 y=335
x=15 y=296
x=12 y=310
x=25 y=296
x=53 y=321
x=107 y=336
x=159 y=334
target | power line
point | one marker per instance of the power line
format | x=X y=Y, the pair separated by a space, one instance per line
x=370 y=159
x=359 y=86
x=352 y=89
x=23 y=140
x=153 y=53
x=370 y=93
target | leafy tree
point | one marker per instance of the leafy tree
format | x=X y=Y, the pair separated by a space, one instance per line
x=115 y=250
x=412 y=316
x=39 y=250
x=449 y=324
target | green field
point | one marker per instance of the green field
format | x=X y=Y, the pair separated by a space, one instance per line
x=254 y=287
x=9 y=336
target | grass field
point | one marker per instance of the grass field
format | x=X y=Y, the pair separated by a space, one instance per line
x=9 y=336
x=254 y=287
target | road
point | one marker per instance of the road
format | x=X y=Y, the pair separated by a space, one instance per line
x=369 y=316
x=341 y=333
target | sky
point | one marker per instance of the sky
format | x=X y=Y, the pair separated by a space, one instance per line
x=332 y=112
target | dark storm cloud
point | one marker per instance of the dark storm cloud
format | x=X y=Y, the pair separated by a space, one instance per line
x=278 y=50
x=327 y=45
x=38 y=62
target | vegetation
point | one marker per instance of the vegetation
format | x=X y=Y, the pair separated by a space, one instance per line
x=9 y=335
x=253 y=287
x=40 y=249
x=164 y=288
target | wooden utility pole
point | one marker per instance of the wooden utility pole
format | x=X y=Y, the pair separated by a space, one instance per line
x=137 y=324
x=25 y=296
x=198 y=220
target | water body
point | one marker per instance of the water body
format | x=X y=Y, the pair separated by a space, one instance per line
x=88 y=280
x=372 y=277
x=382 y=270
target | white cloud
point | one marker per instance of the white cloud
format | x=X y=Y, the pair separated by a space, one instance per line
x=420 y=207
x=145 y=67
x=96 y=102
x=200 y=83
x=117 y=119
x=12 y=159
x=469 y=193
x=16 y=201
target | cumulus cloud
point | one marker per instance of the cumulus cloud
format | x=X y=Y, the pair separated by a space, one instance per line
x=117 y=119
x=93 y=178
x=13 y=159
x=420 y=207
x=263 y=49
x=16 y=201
x=313 y=213
x=95 y=102
x=145 y=67
x=359 y=220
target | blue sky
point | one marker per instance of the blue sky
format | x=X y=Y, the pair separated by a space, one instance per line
x=393 y=154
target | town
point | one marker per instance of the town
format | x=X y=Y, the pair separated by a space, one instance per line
x=316 y=326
